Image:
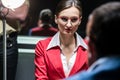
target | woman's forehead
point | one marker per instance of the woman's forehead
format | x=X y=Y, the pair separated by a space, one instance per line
x=70 y=11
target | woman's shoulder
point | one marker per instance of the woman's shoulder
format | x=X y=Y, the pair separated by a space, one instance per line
x=44 y=42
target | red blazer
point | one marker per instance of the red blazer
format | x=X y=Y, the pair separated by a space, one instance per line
x=48 y=65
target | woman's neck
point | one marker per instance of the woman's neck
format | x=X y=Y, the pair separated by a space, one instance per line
x=67 y=44
x=67 y=40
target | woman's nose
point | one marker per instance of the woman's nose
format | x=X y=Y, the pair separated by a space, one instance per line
x=69 y=24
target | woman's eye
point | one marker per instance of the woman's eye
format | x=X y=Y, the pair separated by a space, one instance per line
x=74 y=19
x=64 y=19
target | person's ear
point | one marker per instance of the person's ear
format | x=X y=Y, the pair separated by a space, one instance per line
x=39 y=22
x=56 y=19
x=80 y=20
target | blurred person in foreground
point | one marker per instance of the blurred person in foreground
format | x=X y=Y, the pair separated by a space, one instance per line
x=103 y=41
x=65 y=53
x=44 y=25
x=14 y=18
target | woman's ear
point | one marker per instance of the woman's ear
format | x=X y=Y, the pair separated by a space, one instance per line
x=80 y=17
x=56 y=19
x=80 y=20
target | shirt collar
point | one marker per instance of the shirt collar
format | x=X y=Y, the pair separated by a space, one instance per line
x=55 y=41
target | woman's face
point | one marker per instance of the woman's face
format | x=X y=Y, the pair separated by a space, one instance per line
x=68 y=20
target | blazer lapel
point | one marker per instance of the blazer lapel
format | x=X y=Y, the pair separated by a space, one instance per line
x=54 y=57
x=80 y=60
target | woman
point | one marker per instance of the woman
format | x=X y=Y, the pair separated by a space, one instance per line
x=64 y=54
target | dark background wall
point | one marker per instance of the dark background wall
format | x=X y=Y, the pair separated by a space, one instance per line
x=37 y=5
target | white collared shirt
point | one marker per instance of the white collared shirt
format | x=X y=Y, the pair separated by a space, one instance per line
x=68 y=66
x=56 y=42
